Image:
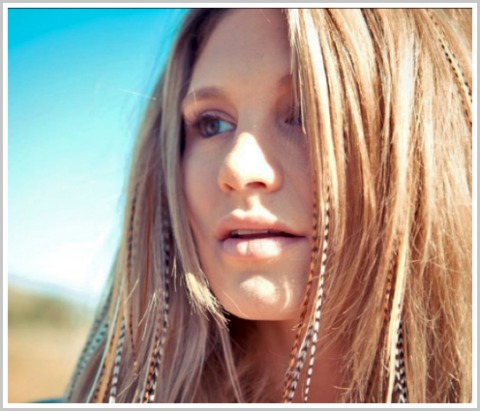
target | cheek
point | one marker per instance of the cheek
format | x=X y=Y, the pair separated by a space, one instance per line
x=306 y=188
x=301 y=181
x=198 y=176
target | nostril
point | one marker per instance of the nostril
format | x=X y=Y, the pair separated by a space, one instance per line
x=246 y=167
x=257 y=185
x=247 y=180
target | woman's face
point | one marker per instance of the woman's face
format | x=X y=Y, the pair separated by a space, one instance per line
x=246 y=170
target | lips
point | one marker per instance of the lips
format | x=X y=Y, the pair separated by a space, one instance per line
x=256 y=237
x=254 y=225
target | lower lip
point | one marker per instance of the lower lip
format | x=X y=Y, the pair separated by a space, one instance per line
x=258 y=248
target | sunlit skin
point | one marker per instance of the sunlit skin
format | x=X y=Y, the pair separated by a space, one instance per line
x=246 y=166
x=245 y=171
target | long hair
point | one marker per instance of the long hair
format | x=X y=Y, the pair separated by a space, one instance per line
x=385 y=99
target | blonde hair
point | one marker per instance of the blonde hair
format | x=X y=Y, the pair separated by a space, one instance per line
x=386 y=102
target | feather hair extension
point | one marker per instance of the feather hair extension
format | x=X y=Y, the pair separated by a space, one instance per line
x=400 y=377
x=101 y=381
x=387 y=302
x=149 y=391
x=293 y=370
x=94 y=395
x=162 y=327
x=395 y=323
x=299 y=362
x=116 y=367
x=370 y=395
x=160 y=337
x=463 y=86
x=311 y=335
x=319 y=302
x=125 y=333
x=95 y=337
x=130 y=250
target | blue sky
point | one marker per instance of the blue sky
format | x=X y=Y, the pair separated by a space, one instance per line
x=78 y=81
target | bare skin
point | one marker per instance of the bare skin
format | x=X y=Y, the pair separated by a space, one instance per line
x=248 y=185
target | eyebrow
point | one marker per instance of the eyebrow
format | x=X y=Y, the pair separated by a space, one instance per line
x=203 y=93
x=213 y=92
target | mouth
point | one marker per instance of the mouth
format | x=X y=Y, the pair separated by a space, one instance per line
x=258 y=234
x=258 y=244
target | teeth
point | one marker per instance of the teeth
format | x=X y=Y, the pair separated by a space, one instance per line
x=241 y=233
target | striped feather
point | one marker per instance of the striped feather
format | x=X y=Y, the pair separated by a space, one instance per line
x=162 y=328
x=400 y=377
x=395 y=321
x=296 y=351
x=463 y=86
x=318 y=304
x=99 y=387
x=311 y=336
x=116 y=366
x=94 y=339
x=130 y=248
x=300 y=361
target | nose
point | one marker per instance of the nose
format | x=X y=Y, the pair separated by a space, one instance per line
x=248 y=167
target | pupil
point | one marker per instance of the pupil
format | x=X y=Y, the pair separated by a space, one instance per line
x=212 y=127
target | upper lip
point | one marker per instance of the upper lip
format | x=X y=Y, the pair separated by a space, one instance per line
x=251 y=222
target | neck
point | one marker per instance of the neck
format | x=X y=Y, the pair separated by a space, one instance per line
x=275 y=343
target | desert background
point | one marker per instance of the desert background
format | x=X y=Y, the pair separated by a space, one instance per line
x=45 y=337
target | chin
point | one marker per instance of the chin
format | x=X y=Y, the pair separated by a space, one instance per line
x=261 y=300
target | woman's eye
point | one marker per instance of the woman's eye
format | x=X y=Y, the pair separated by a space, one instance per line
x=210 y=126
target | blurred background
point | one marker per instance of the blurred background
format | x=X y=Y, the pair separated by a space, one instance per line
x=78 y=82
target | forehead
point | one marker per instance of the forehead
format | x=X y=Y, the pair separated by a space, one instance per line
x=244 y=41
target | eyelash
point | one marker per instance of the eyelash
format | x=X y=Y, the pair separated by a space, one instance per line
x=201 y=122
